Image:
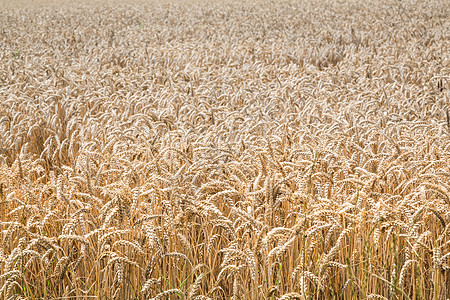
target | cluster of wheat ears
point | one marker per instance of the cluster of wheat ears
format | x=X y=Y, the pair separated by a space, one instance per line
x=228 y=150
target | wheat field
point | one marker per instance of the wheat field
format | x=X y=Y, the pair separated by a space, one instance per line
x=225 y=150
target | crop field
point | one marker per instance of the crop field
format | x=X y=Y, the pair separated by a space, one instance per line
x=225 y=149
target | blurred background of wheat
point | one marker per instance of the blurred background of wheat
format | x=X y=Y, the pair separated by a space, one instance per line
x=257 y=150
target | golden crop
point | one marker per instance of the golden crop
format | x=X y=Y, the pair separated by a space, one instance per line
x=225 y=150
